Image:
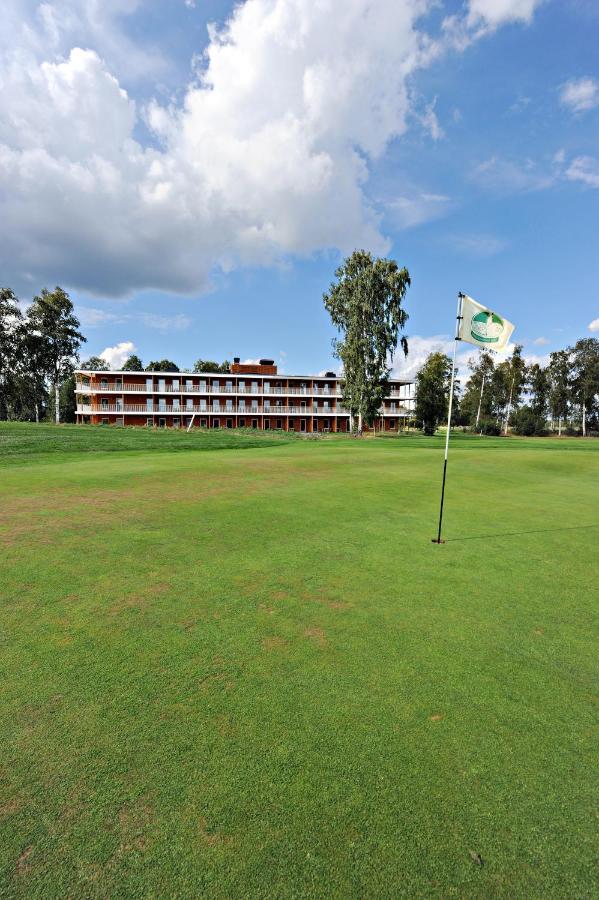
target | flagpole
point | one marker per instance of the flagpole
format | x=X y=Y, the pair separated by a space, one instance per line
x=438 y=540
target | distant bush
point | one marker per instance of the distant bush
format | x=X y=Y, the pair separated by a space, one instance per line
x=526 y=422
x=489 y=426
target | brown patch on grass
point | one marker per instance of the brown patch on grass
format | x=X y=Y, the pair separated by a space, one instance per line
x=539 y=631
x=317 y=635
x=134 y=822
x=140 y=601
x=324 y=601
x=273 y=643
x=23 y=862
x=11 y=806
x=266 y=609
x=436 y=717
x=279 y=595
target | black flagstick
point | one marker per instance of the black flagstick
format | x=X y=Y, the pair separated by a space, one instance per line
x=438 y=540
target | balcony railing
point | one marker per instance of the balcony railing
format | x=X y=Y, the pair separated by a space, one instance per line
x=128 y=388
x=274 y=411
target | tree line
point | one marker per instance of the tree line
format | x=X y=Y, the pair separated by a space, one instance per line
x=40 y=350
x=502 y=394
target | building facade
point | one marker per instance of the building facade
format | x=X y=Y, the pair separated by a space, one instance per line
x=249 y=396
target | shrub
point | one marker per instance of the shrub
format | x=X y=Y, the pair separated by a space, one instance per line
x=527 y=422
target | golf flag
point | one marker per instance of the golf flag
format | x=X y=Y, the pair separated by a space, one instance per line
x=482 y=327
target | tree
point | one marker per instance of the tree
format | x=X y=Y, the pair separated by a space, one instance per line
x=10 y=339
x=516 y=374
x=539 y=387
x=208 y=365
x=95 y=364
x=68 y=402
x=433 y=383
x=477 y=402
x=527 y=422
x=559 y=371
x=585 y=377
x=365 y=305
x=133 y=364
x=164 y=365
x=50 y=317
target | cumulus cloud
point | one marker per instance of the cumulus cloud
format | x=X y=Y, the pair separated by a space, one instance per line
x=494 y=13
x=585 y=169
x=91 y=317
x=266 y=154
x=419 y=348
x=580 y=94
x=479 y=245
x=540 y=341
x=594 y=325
x=117 y=355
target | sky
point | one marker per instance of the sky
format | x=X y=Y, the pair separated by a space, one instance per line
x=193 y=171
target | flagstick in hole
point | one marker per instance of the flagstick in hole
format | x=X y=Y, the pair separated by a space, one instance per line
x=485 y=329
x=438 y=540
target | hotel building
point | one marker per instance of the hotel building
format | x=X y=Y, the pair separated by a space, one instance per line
x=248 y=396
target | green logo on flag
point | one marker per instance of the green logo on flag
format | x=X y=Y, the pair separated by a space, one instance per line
x=486 y=327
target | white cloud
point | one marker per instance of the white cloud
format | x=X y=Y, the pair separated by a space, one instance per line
x=117 y=355
x=91 y=317
x=480 y=245
x=494 y=13
x=594 y=325
x=585 y=169
x=267 y=154
x=540 y=341
x=502 y=175
x=418 y=349
x=416 y=209
x=580 y=94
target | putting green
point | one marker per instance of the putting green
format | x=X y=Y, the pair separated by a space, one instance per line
x=251 y=674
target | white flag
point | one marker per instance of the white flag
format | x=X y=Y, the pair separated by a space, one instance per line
x=482 y=327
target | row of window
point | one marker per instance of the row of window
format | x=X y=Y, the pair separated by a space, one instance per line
x=241 y=423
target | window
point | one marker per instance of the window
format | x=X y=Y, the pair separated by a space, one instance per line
x=215 y=403
x=176 y=423
x=291 y=424
x=215 y=423
x=161 y=384
x=393 y=406
x=202 y=385
x=229 y=403
x=229 y=386
x=149 y=384
x=267 y=424
x=254 y=387
x=229 y=423
x=203 y=423
x=187 y=421
x=242 y=387
x=119 y=384
x=149 y=404
x=254 y=404
x=162 y=423
x=119 y=403
x=105 y=420
x=104 y=403
x=267 y=387
x=391 y=423
x=162 y=404
x=254 y=423
x=149 y=422
x=326 y=404
x=267 y=404
x=279 y=424
x=104 y=384
x=203 y=404
x=242 y=403
x=215 y=385
x=175 y=384
x=189 y=403
x=302 y=425
x=176 y=403
x=119 y=421
x=188 y=384
x=242 y=423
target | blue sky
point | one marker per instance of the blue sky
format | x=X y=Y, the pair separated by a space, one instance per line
x=197 y=205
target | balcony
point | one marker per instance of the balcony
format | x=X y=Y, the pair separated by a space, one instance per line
x=157 y=410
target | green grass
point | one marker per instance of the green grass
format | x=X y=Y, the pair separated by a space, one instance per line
x=253 y=675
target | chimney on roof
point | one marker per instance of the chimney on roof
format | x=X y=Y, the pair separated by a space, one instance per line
x=236 y=359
